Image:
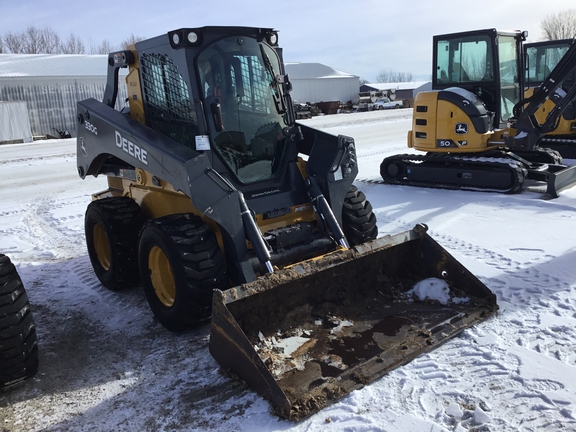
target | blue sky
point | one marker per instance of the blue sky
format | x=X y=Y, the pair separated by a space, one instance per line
x=361 y=37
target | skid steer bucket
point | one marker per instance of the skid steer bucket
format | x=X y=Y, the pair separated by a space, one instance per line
x=306 y=336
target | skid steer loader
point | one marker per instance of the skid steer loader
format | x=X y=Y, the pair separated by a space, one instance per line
x=222 y=206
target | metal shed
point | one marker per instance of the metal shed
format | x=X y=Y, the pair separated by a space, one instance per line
x=315 y=82
x=51 y=84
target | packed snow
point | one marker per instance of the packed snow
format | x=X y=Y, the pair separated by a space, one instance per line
x=107 y=365
x=435 y=289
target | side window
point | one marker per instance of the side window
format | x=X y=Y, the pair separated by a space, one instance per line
x=551 y=59
x=542 y=60
x=442 y=61
x=167 y=100
x=461 y=60
x=534 y=67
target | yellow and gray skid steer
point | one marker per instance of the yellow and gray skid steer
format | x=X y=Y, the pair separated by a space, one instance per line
x=222 y=207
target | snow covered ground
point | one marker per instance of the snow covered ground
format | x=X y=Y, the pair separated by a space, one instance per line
x=106 y=364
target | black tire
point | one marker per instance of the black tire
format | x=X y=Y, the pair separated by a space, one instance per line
x=180 y=265
x=358 y=218
x=18 y=341
x=112 y=226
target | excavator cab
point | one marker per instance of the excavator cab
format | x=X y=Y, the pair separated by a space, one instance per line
x=476 y=83
x=487 y=63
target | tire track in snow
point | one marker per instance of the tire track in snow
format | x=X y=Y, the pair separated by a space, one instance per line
x=115 y=308
x=453 y=384
x=36 y=158
x=55 y=233
x=51 y=236
x=538 y=313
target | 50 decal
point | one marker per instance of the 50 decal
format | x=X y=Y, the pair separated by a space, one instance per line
x=448 y=143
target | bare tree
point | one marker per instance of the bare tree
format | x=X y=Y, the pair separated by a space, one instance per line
x=14 y=43
x=46 y=41
x=404 y=76
x=561 y=25
x=49 y=41
x=391 y=76
x=33 y=41
x=130 y=40
x=73 y=45
x=104 y=48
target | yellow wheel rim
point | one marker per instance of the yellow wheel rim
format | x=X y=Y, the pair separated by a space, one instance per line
x=161 y=276
x=101 y=246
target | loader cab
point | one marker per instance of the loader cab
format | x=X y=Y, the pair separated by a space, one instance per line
x=219 y=90
x=487 y=63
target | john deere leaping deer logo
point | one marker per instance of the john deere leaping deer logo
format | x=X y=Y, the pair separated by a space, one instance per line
x=461 y=128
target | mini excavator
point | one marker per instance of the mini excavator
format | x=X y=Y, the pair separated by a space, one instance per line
x=476 y=127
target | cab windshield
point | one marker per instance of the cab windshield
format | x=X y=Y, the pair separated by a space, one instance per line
x=244 y=106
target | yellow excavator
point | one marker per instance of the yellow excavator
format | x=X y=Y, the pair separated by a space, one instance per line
x=541 y=59
x=478 y=130
x=225 y=209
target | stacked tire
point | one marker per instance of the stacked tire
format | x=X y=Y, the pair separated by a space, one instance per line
x=18 y=341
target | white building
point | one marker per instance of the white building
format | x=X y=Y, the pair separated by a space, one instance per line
x=51 y=85
x=315 y=82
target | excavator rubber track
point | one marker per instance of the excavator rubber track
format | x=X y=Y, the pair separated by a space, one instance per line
x=563 y=144
x=445 y=171
x=540 y=155
x=306 y=336
x=498 y=171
